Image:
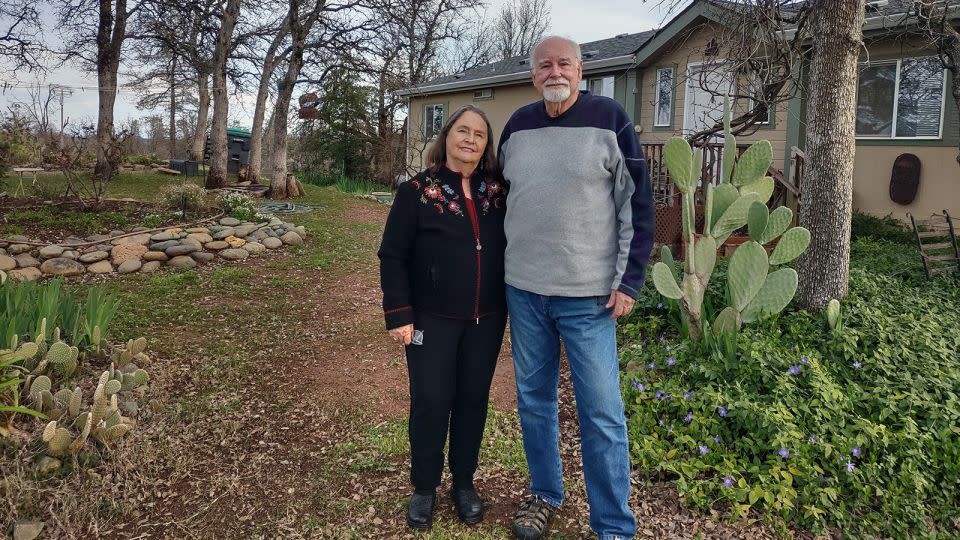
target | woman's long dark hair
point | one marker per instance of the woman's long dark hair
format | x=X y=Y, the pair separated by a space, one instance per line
x=488 y=167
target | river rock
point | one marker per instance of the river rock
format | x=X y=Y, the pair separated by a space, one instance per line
x=18 y=238
x=177 y=251
x=100 y=267
x=98 y=238
x=291 y=239
x=229 y=222
x=163 y=237
x=156 y=256
x=244 y=230
x=17 y=249
x=182 y=261
x=26 y=260
x=140 y=228
x=301 y=230
x=115 y=233
x=70 y=254
x=25 y=274
x=127 y=252
x=198 y=230
x=272 y=243
x=58 y=266
x=175 y=231
x=203 y=238
x=94 y=256
x=129 y=267
x=223 y=233
x=216 y=245
x=28 y=530
x=254 y=247
x=138 y=239
x=235 y=242
x=7 y=263
x=234 y=254
x=49 y=252
x=162 y=246
x=202 y=256
x=150 y=266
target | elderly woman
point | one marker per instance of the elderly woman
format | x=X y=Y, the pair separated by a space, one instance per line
x=441 y=270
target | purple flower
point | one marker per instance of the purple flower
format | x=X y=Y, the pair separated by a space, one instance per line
x=671 y=361
x=851 y=466
x=660 y=422
x=661 y=339
x=728 y=481
x=856 y=451
x=651 y=365
x=703 y=449
x=658 y=395
x=784 y=453
x=716 y=439
x=813 y=439
x=667 y=347
x=638 y=385
x=689 y=417
x=857 y=365
x=722 y=411
x=803 y=360
x=687 y=395
x=670 y=430
x=659 y=305
x=793 y=370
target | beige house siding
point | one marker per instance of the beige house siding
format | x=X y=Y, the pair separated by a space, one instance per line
x=684 y=50
x=939 y=175
x=505 y=100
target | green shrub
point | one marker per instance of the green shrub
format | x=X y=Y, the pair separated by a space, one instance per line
x=185 y=197
x=357 y=186
x=316 y=178
x=886 y=228
x=240 y=206
x=858 y=429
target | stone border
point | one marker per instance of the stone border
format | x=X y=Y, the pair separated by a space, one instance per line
x=126 y=253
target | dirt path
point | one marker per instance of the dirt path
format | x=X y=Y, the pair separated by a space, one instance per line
x=278 y=409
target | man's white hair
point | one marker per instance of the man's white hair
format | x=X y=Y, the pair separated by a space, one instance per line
x=533 y=52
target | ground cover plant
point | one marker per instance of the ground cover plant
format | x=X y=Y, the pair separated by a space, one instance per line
x=855 y=427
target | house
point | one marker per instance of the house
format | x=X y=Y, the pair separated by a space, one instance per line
x=904 y=104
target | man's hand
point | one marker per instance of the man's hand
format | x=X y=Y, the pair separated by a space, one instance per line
x=403 y=334
x=621 y=304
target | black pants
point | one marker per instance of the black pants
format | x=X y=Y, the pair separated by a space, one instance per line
x=450 y=375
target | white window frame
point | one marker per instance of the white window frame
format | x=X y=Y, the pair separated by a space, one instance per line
x=601 y=78
x=673 y=96
x=482 y=94
x=896 y=103
x=754 y=84
x=694 y=66
x=430 y=107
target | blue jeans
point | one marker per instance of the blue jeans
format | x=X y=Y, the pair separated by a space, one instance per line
x=537 y=325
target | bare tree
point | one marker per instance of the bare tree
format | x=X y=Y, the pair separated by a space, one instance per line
x=94 y=31
x=274 y=55
x=217 y=175
x=21 y=43
x=520 y=25
x=937 y=23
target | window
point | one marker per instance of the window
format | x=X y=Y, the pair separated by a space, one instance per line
x=483 y=93
x=664 y=98
x=432 y=120
x=756 y=90
x=601 y=86
x=901 y=99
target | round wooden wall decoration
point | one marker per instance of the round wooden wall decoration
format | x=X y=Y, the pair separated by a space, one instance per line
x=905 y=179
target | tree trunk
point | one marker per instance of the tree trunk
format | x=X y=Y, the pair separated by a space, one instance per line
x=111 y=31
x=827 y=201
x=203 y=109
x=278 y=178
x=173 y=107
x=217 y=175
x=270 y=61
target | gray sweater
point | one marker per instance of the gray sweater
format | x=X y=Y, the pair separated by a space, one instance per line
x=579 y=216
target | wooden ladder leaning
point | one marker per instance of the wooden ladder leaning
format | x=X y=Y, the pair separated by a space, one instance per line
x=938 y=243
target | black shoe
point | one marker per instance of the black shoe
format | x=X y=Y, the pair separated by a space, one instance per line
x=420 y=511
x=532 y=519
x=468 y=504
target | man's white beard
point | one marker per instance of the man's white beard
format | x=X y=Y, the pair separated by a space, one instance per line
x=556 y=95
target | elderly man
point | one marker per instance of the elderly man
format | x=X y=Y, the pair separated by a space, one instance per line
x=579 y=229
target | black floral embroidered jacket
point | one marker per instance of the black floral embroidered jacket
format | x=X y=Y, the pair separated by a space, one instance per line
x=442 y=253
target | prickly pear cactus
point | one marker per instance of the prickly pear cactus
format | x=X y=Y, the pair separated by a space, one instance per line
x=757 y=287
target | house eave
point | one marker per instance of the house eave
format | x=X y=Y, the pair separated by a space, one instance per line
x=509 y=78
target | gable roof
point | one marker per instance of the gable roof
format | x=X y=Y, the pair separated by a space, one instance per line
x=605 y=53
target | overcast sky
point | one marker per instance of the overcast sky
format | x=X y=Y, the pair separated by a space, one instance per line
x=581 y=20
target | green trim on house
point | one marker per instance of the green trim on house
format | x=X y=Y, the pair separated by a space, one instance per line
x=677 y=25
x=673 y=99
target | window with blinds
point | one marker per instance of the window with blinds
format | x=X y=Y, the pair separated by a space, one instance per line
x=901 y=99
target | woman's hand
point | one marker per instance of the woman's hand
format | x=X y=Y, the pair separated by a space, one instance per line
x=403 y=334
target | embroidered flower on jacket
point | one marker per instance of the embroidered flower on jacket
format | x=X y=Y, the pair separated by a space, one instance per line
x=432 y=191
x=493 y=187
x=415 y=184
x=454 y=207
x=439 y=207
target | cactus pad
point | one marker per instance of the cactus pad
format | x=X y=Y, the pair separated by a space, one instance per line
x=727 y=322
x=679 y=158
x=48 y=431
x=762 y=188
x=757 y=218
x=752 y=165
x=833 y=314
x=723 y=196
x=791 y=245
x=746 y=273
x=112 y=387
x=113 y=433
x=40 y=384
x=705 y=256
x=76 y=399
x=59 y=441
x=665 y=283
x=734 y=217
x=777 y=223
x=774 y=296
